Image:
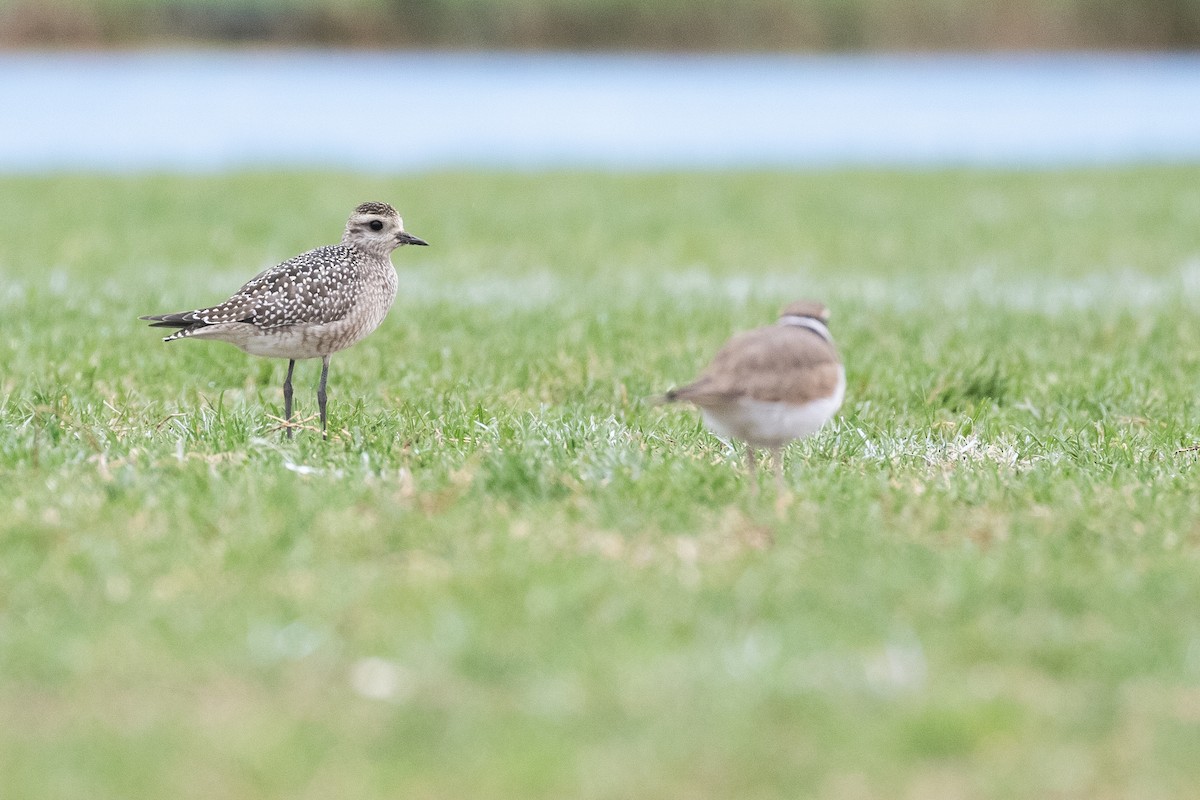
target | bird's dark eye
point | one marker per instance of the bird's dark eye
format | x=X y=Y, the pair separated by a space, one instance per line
x=376 y=225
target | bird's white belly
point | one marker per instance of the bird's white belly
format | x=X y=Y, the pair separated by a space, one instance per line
x=772 y=424
x=288 y=343
x=295 y=341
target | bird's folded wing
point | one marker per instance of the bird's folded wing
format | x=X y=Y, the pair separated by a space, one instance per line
x=312 y=288
x=766 y=364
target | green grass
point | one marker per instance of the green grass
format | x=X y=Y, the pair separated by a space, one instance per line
x=507 y=574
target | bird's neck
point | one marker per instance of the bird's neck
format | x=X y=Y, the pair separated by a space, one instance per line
x=814 y=325
x=373 y=249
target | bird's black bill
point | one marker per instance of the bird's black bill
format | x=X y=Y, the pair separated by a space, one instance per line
x=408 y=238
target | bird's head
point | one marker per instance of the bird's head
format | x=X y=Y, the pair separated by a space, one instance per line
x=807 y=309
x=377 y=228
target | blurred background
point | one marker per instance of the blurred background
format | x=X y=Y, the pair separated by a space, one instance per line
x=651 y=84
x=705 y=25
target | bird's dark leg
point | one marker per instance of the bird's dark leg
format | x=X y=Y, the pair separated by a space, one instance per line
x=321 y=393
x=287 y=397
x=752 y=465
x=783 y=497
x=777 y=458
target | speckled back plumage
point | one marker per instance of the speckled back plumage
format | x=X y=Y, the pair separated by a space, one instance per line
x=312 y=305
x=319 y=286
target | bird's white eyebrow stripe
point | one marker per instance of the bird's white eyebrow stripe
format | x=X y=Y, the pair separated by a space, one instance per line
x=814 y=325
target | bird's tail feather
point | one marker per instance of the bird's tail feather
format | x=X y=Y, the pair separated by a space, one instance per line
x=177 y=320
x=663 y=399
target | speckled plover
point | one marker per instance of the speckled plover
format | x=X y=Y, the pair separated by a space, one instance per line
x=310 y=306
x=771 y=385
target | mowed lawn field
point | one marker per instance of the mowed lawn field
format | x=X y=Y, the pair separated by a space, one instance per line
x=508 y=574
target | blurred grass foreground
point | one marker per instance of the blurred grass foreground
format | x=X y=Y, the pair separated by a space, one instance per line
x=773 y=25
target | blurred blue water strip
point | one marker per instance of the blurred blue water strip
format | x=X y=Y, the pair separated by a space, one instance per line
x=204 y=110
